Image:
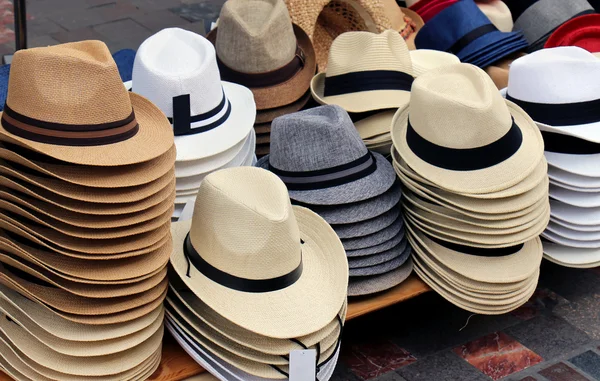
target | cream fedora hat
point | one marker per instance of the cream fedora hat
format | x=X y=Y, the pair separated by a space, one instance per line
x=177 y=70
x=424 y=60
x=357 y=82
x=273 y=280
x=498 y=13
x=468 y=160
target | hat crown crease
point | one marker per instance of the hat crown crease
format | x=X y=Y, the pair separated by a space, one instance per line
x=320 y=138
x=458 y=106
x=176 y=62
x=72 y=84
x=244 y=224
x=366 y=51
x=255 y=36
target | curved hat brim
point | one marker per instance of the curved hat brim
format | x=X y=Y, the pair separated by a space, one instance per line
x=383 y=267
x=578 y=181
x=377 y=238
x=375 y=259
x=367 y=227
x=318 y=294
x=373 y=284
x=571 y=256
x=194 y=167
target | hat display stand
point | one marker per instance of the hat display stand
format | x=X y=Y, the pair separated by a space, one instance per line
x=571 y=148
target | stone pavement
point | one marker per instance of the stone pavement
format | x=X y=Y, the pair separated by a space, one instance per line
x=119 y=23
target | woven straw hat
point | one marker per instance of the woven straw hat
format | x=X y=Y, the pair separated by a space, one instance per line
x=571 y=256
x=365 y=285
x=115 y=126
x=358 y=82
x=265 y=117
x=498 y=13
x=406 y=22
x=177 y=70
x=257 y=198
x=258 y=47
x=424 y=60
x=462 y=161
x=324 y=20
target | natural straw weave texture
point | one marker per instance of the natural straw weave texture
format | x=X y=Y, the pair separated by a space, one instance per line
x=324 y=20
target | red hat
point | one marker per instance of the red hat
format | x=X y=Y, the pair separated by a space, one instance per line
x=429 y=12
x=582 y=31
x=420 y=5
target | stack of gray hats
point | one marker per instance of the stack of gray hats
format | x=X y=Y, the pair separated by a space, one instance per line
x=326 y=167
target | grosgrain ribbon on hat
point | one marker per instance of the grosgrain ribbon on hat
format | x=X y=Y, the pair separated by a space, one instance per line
x=69 y=134
x=367 y=81
x=328 y=177
x=468 y=38
x=465 y=159
x=182 y=119
x=271 y=78
x=235 y=282
x=477 y=251
x=561 y=114
x=560 y=143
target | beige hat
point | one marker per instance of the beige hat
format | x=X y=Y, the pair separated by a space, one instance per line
x=265 y=270
x=101 y=177
x=406 y=22
x=424 y=60
x=366 y=72
x=115 y=126
x=324 y=20
x=471 y=159
x=258 y=47
x=498 y=13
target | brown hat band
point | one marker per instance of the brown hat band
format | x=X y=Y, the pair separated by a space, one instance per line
x=69 y=134
x=271 y=78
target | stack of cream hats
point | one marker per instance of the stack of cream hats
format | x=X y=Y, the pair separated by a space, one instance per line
x=254 y=278
x=85 y=206
x=567 y=113
x=325 y=165
x=476 y=189
x=259 y=47
x=369 y=75
x=212 y=119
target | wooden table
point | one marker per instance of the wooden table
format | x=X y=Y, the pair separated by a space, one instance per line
x=176 y=365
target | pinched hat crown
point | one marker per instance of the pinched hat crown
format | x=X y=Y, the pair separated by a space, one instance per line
x=255 y=36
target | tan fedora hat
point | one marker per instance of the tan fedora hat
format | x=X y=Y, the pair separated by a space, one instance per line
x=266 y=116
x=100 y=177
x=263 y=128
x=187 y=299
x=86 y=220
x=116 y=127
x=140 y=196
x=282 y=255
x=110 y=271
x=424 y=60
x=84 y=246
x=59 y=327
x=82 y=348
x=324 y=20
x=259 y=47
x=92 y=366
x=357 y=82
x=463 y=161
x=504 y=265
x=406 y=22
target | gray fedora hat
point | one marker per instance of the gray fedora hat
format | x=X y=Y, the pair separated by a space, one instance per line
x=359 y=211
x=321 y=158
x=376 y=259
x=387 y=245
x=382 y=268
x=367 y=227
x=395 y=229
x=366 y=285
x=541 y=18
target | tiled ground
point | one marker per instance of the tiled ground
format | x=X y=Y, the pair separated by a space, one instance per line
x=554 y=337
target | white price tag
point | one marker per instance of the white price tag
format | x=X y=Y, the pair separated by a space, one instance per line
x=303 y=365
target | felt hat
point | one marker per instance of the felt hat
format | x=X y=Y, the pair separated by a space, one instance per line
x=298 y=248
x=113 y=126
x=462 y=29
x=258 y=47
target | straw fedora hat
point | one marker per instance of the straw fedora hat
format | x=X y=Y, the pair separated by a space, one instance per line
x=365 y=285
x=342 y=170
x=498 y=13
x=403 y=20
x=571 y=256
x=369 y=226
x=265 y=117
x=357 y=82
x=258 y=47
x=424 y=60
x=463 y=162
x=304 y=247
x=324 y=20
x=376 y=238
x=377 y=249
x=115 y=127
x=177 y=70
x=375 y=259
x=381 y=268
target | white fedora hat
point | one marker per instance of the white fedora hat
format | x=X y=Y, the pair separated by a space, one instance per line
x=177 y=70
x=571 y=256
x=273 y=269
x=577 y=181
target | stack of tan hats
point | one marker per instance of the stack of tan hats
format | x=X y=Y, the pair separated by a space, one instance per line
x=370 y=75
x=211 y=119
x=85 y=206
x=254 y=278
x=259 y=47
x=476 y=189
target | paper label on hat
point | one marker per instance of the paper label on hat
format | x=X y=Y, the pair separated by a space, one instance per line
x=303 y=365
